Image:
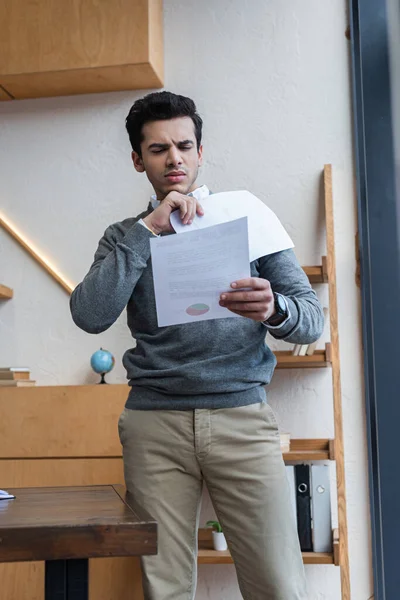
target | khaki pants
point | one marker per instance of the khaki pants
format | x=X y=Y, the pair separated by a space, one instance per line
x=236 y=451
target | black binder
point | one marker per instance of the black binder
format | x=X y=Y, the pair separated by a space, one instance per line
x=303 y=501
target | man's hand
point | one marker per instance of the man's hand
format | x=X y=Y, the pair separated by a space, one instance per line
x=257 y=303
x=158 y=220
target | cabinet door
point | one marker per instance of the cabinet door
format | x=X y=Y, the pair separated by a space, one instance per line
x=54 y=35
x=109 y=578
x=57 y=47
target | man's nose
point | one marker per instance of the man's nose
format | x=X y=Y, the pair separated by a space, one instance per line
x=174 y=157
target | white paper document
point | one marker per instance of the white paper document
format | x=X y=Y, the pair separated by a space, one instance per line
x=266 y=233
x=4 y=495
x=191 y=271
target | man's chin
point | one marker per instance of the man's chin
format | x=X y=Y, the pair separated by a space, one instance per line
x=182 y=188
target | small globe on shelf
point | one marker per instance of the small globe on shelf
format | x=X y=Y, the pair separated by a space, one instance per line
x=102 y=362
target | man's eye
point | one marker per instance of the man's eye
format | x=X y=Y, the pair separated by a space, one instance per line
x=158 y=151
x=188 y=147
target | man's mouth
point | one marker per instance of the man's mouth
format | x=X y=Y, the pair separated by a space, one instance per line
x=175 y=176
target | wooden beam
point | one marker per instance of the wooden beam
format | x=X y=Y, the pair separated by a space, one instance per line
x=337 y=394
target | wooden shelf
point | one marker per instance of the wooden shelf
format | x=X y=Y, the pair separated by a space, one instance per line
x=6 y=293
x=320 y=358
x=208 y=556
x=318 y=274
x=212 y=557
x=310 y=449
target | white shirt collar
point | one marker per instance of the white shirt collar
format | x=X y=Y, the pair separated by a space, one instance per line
x=199 y=193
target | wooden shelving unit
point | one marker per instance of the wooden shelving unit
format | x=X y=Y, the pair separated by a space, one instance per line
x=208 y=556
x=303 y=450
x=6 y=293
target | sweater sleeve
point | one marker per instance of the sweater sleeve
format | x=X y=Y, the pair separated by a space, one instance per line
x=120 y=259
x=286 y=277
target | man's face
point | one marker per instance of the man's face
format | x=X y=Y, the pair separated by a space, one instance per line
x=169 y=156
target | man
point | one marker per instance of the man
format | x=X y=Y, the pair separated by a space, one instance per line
x=197 y=410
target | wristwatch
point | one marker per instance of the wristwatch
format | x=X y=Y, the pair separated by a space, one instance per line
x=281 y=311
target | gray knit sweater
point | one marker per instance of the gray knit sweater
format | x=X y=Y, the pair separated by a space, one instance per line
x=205 y=364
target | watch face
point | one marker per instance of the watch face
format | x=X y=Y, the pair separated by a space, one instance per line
x=280 y=305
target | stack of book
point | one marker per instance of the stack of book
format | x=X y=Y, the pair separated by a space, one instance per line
x=285 y=441
x=15 y=377
x=307 y=349
x=304 y=349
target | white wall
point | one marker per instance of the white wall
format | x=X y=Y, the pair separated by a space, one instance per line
x=271 y=80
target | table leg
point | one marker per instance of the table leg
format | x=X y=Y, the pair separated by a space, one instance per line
x=67 y=579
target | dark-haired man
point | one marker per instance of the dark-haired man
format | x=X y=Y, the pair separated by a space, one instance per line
x=197 y=410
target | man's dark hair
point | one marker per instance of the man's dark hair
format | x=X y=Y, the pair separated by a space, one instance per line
x=160 y=106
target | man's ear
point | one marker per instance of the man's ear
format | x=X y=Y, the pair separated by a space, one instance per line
x=137 y=162
x=200 y=155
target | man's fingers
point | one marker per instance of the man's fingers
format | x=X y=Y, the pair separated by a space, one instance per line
x=187 y=205
x=191 y=208
x=183 y=210
x=192 y=211
x=256 y=307
x=250 y=296
x=189 y=213
x=256 y=283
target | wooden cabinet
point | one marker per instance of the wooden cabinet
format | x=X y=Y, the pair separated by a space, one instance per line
x=67 y=435
x=58 y=47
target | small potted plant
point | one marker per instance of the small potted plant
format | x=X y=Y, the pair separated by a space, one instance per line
x=219 y=540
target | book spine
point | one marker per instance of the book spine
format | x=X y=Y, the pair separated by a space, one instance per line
x=321 y=508
x=303 y=502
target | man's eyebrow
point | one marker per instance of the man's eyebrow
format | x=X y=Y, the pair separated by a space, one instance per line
x=157 y=145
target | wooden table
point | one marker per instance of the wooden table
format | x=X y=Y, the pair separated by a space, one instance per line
x=65 y=526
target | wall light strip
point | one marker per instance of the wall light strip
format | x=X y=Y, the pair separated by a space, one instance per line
x=12 y=230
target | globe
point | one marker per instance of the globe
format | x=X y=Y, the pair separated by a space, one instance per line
x=102 y=362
